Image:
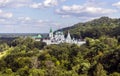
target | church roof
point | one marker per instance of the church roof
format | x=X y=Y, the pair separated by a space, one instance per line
x=50 y=30
x=39 y=36
x=68 y=35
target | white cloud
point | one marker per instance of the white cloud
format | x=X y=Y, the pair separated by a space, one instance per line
x=4 y=1
x=63 y=0
x=36 y=5
x=14 y=3
x=27 y=22
x=24 y=18
x=48 y=3
x=28 y=3
x=65 y=16
x=45 y=3
x=84 y=11
x=116 y=4
x=5 y=14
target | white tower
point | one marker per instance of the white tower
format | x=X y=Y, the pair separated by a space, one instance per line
x=68 y=39
x=51 y=34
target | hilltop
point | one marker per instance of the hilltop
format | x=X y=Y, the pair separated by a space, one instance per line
x=94 y=28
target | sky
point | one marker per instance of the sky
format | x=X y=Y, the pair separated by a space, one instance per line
x=38 y=16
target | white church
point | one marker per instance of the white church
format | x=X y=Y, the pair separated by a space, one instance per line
x=59 y=37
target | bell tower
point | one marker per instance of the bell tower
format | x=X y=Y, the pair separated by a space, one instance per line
x=51 y=34
x=68 y=39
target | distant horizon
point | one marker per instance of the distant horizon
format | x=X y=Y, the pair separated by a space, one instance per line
x=50 y=27
x=37 y=16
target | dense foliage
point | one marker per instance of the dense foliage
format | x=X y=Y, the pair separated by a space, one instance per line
x=26 y=57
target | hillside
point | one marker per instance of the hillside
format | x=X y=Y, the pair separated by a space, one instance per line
x=94 y=28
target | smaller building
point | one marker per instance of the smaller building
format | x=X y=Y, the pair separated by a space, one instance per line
x=38 y=37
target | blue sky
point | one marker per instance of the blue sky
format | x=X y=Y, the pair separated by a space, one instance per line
x=37 y=16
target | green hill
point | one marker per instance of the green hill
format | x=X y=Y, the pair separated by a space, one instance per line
x=94 y=28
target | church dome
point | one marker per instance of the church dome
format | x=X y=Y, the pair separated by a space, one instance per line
x=39 y=36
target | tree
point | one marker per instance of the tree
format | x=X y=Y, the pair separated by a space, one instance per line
x=3 y=47
x=99 y=70
x=115 y=74
x=36 y=72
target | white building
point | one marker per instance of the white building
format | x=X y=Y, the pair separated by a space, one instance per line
x=68 y=39
x=59 y=37
x=51 y=34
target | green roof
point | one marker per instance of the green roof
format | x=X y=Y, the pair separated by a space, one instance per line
x=50 y=30
x=39 y=36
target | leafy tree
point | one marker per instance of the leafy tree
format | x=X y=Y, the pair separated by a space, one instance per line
x=36 y=72
x=115 y=74
x=3 y=47
x=99 y=70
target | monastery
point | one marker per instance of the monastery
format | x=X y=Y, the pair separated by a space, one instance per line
x=59 y=37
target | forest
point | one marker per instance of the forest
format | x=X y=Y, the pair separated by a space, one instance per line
x=95 y=28
x=100 y=56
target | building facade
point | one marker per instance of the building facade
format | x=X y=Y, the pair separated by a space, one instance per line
x=59 y=37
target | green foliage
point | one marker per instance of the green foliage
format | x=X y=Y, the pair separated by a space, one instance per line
x=98 y=57
x=3 y=47
x=23 y=71
x=99 y=70
x=36 y=72
x=28 y=43
x=115 y=74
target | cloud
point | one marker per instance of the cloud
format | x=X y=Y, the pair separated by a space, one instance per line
x=63 y=0
x=36 y=5
x=116 y=4
x=29 y=21
x=48 y=3
x=14 y=3
x=26 y=24
x=84 y=11
x=24 y=18
x=65 y=16
x=5 y=14
x=45 y=4
x=29 y=3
